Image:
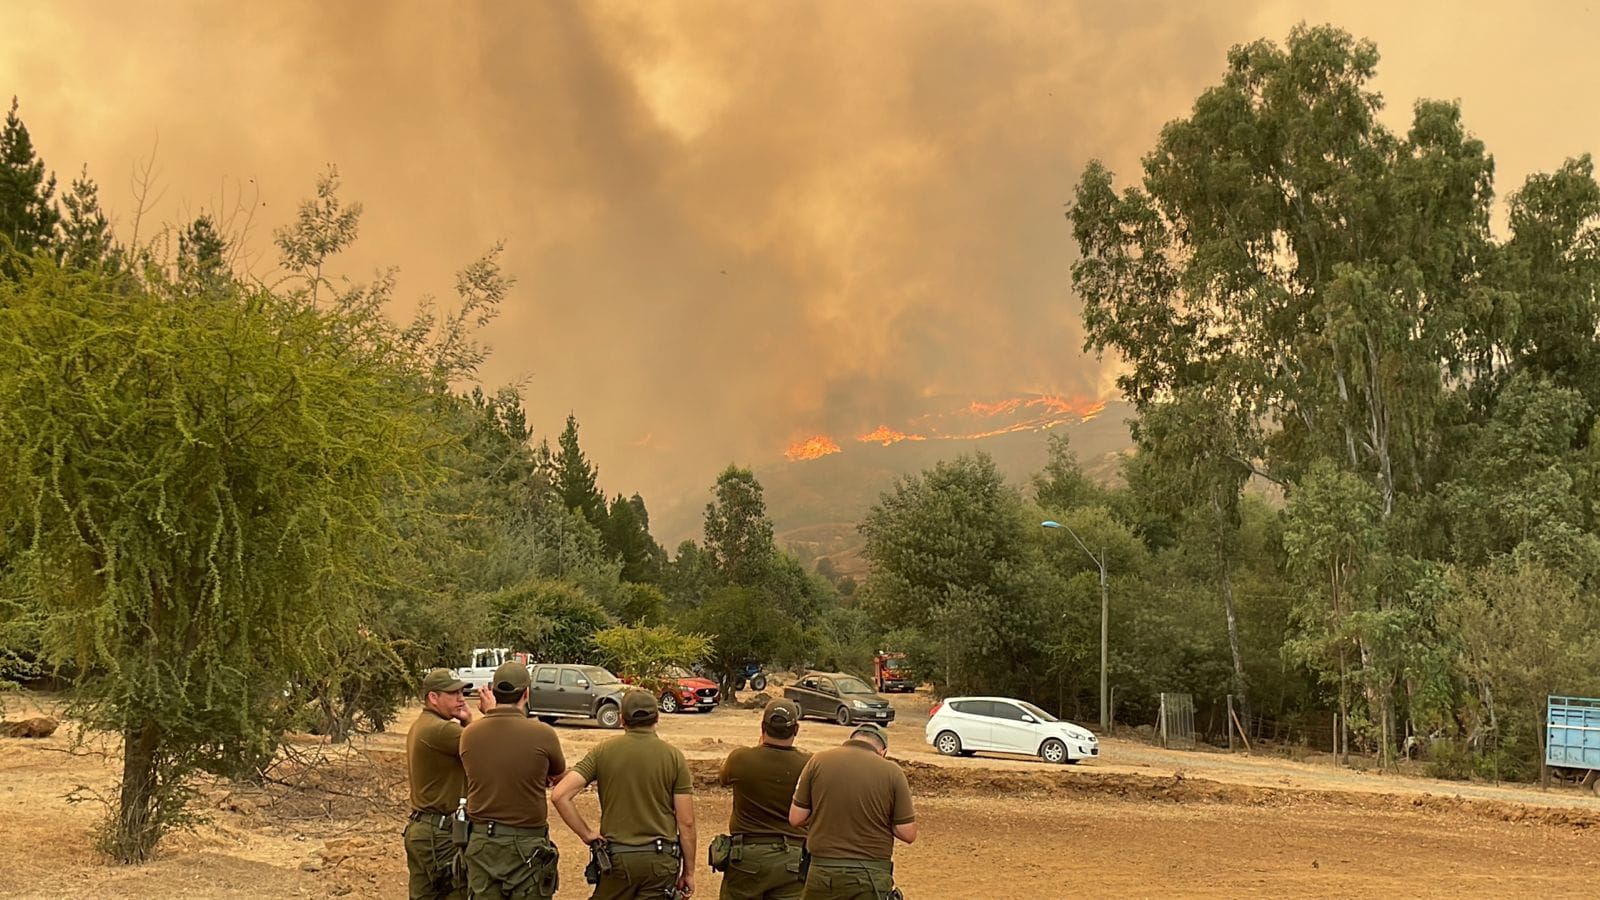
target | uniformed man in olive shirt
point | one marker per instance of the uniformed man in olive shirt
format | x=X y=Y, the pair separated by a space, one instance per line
x=433 y=768
x=646 y=809
x=510 y=760
x=764 y=861
x=856 y=804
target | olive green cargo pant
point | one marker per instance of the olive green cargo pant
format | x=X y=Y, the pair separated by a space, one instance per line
x=850 y=879
x=645 y=874
x=511 y=864
x=431 y=863
x=763 y=871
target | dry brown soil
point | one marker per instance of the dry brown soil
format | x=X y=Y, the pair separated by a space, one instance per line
x=1141 y=821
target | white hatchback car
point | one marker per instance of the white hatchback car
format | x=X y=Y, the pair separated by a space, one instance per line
x=961 y=726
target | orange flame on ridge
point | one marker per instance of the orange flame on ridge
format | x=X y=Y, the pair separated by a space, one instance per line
x=812 y=448
x=885 y=435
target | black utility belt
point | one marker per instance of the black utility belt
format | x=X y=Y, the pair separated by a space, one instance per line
x=437 y=820
x=497 y=828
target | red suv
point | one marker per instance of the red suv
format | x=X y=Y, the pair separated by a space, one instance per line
x=682 y=691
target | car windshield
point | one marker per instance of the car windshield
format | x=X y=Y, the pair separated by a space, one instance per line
x=852 y=686
x=894 y=664
x=677 y=672
x=1036 y=712
x=597 y=675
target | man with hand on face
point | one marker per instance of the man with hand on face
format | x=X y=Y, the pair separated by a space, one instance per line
x=510 y=761
x=438 y=782
x=645 y=844
x=760 y=858
x=857 y=804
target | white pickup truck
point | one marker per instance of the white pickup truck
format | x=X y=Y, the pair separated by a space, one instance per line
x=483 y=663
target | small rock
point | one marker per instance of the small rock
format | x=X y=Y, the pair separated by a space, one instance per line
x=311 y=865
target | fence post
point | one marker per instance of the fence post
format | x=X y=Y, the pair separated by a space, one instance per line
x=1544 y=746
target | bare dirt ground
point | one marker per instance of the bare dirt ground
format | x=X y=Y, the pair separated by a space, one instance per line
x=1140 y=821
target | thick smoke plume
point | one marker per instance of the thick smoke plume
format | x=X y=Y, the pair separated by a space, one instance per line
x=734 y=225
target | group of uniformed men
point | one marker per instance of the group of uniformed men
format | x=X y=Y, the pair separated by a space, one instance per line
x=804 y=827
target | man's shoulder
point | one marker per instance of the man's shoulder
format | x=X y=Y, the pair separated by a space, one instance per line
x=429 y=722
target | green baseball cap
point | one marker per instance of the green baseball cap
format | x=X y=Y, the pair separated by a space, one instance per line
x=639 y=708
x=872 y=730
x=442 y=681
x=511 y=676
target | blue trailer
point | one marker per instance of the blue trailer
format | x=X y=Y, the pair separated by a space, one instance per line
x=1572 y=737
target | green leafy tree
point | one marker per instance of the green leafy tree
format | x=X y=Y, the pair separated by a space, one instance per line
x=1331 y=533
x=745 y=627
x=1063 y=485
x=196 y=495
x=738 y=533
x=1523 y=631
x=1195 y=459
x=554 y=620
x=953 y=554
x=646 y=652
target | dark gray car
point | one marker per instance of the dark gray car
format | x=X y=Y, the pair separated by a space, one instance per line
x=576 y=692
x=843 y=698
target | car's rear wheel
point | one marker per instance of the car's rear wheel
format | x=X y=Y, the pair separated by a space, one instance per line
x=842 y=715
x=609 y=715
x=758 y=683
x=1053 y=751
x=669 y=703
x=948 y=743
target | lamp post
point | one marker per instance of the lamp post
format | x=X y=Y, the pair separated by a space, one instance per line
x=1100 y=563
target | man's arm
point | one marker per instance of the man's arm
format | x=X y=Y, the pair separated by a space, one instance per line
x=906 y=832
x=799 y=815
x=683 y=810
x=562 y=799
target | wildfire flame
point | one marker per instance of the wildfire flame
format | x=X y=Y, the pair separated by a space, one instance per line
x=885 y=435
x=811 y=448
x=974 y=421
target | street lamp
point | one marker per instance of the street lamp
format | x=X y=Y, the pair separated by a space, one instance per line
x=1100 y=562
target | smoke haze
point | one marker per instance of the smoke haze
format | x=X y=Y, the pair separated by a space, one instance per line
x=734 y=225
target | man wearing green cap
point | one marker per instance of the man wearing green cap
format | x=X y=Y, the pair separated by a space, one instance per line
x=857 y=803
x=438 y=782
x=646 y=840
x=510 y=760
x=763 y=848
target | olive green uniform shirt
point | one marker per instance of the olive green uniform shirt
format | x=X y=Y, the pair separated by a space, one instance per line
x=433 y=764
x=763 y=780
x=510 y=759
x=856 y=797
x=639 y=774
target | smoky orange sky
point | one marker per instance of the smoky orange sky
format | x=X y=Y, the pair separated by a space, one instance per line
x=736 y=224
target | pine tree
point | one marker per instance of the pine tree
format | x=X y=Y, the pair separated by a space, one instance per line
x=85 y=231
x=28 y=217
x=576 y=479
x=202 y=251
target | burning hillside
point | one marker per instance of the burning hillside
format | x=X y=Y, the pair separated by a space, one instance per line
x=975 y=420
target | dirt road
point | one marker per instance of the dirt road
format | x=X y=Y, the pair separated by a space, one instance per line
x=1141 y=821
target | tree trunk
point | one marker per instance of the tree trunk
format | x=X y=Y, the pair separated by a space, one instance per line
x=1239 y=687
x=137 y=828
